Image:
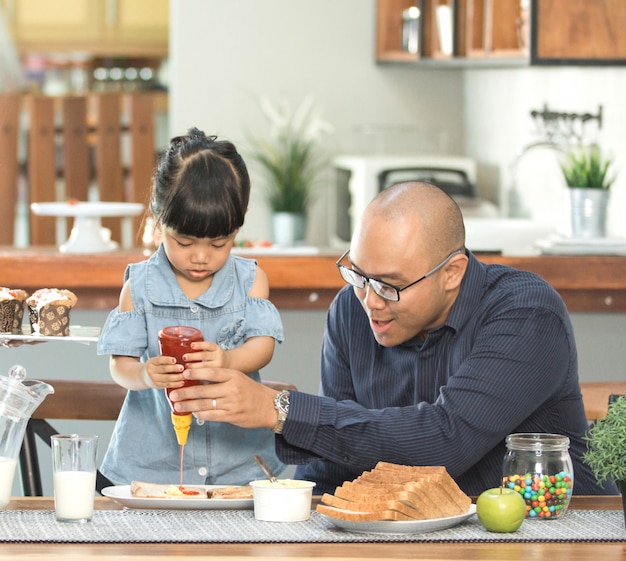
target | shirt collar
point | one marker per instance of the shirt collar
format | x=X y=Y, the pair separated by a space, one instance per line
x=470 y=293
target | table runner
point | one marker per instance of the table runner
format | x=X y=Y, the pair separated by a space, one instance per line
x=240 y=526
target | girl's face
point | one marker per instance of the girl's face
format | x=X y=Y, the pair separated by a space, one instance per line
x=196 y=260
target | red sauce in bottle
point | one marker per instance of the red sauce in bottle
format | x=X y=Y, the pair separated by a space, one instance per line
x=175 y=341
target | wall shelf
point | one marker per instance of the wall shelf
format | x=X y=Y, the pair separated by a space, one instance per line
x=501 y=33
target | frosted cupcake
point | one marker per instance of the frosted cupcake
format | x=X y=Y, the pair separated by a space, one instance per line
x=49 y=311
x=12 y=309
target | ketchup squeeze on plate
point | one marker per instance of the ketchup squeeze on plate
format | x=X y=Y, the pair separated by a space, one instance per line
x=175 y=341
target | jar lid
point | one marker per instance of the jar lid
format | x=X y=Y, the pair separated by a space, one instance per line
x=537 y=441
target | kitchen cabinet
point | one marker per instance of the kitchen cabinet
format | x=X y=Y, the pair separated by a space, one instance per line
x=586 y=32
x=501 y=32
x=98 y=27
x=30 y=21
x=453 y=30
x=137 y=21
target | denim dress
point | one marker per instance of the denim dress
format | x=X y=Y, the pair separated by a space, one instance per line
x=143 y=445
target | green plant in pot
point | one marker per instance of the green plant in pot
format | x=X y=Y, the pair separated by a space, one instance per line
x=586 y=167
x=291 y=160
x=606 y=447
x=586 y=172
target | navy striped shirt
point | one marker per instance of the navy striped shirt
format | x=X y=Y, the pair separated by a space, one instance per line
x=503 y=362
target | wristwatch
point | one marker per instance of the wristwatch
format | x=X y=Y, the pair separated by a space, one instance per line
x=281 y=404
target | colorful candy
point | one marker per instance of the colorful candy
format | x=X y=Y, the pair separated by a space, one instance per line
x=546 y=496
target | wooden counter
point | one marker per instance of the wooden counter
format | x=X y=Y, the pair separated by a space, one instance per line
x=586 y=283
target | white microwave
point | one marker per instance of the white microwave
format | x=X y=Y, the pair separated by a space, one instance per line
x=360 y=178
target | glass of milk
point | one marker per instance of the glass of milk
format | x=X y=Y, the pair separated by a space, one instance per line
x=74 y=476
x=7 y=473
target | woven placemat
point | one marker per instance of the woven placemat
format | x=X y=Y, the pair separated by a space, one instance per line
x=240 y=526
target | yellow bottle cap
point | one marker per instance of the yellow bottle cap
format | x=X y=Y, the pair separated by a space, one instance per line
x=181 y=427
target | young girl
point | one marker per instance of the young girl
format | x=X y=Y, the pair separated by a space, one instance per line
x=199 y=199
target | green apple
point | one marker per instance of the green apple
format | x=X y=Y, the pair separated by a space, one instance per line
x=501 y=509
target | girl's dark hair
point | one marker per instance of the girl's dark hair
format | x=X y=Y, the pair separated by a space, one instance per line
x=201 y=187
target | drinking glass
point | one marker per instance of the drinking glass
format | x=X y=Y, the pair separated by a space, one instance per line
x=74 y=476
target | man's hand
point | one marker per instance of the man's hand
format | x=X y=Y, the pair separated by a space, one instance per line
x=228 y=396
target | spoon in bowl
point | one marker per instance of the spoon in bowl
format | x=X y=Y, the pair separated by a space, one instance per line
x=265 y=468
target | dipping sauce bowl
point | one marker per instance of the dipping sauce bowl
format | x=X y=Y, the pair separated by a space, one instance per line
x=284 y=500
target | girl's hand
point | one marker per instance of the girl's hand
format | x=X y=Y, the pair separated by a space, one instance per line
x=164 y=372
x=207 y=354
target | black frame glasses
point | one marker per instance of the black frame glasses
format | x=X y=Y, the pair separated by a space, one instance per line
x=381 y=288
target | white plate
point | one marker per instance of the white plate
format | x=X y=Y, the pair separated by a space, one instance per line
x=402 y=527
x=583 y=246
x=95 y=208
x=78 y=334
x=122 y=495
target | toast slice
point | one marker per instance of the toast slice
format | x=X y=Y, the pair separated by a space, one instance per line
x=428 y=490
x=416 y=496
x=373 y=505
x=448 y=484
x=143 y=489
x=231 y=492
x=355 y=516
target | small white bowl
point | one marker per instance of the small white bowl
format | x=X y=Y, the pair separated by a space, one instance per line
x=286 y=500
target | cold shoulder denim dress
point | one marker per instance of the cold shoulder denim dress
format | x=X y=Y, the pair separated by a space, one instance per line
x=143 y=445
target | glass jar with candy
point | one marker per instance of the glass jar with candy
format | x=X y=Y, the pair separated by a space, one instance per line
x=538 y=466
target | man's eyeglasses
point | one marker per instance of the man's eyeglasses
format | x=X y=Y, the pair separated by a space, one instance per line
x=384 y=289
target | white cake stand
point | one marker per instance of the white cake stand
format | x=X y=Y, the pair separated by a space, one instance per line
x=87 y=234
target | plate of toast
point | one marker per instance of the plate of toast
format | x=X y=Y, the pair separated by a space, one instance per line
x=400 y=526
x=397 y=499
x=143 y=496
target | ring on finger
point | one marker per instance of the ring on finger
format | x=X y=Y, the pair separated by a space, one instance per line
x=215 y=404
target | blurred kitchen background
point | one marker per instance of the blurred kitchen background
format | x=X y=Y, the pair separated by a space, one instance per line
x=389 y=90
x=210 y=61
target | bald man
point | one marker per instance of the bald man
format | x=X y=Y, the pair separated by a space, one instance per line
x=429 y=357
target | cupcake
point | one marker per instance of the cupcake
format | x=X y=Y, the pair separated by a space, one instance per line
x=49 y=311
x=12 y=310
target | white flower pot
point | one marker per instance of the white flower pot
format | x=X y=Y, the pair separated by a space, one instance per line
x=288 y=228
x=588 y=212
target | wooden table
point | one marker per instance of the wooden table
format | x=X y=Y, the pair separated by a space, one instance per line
x=586 y=283
x=324 y=551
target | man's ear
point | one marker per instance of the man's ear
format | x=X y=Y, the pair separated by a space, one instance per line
x=455 y=271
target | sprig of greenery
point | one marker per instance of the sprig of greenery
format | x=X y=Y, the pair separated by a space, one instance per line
x=289 y=171
x=606 y=444
x=587 y=168
x=289 y=156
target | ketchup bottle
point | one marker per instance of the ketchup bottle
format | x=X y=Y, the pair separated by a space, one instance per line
x=176 y=341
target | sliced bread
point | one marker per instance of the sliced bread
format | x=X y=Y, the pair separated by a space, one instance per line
x=448 y=484
x=357 y=516
x=396 y=492
x=373 y=505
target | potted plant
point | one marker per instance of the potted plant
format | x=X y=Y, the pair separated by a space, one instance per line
x=291 y=161
x=586 y=172
x=606 y=447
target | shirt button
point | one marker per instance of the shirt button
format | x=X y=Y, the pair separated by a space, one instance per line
x=199 y=422
x=194 y=309
x=202 y=472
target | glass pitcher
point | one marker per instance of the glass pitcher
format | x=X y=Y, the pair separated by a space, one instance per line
x=18 y=400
